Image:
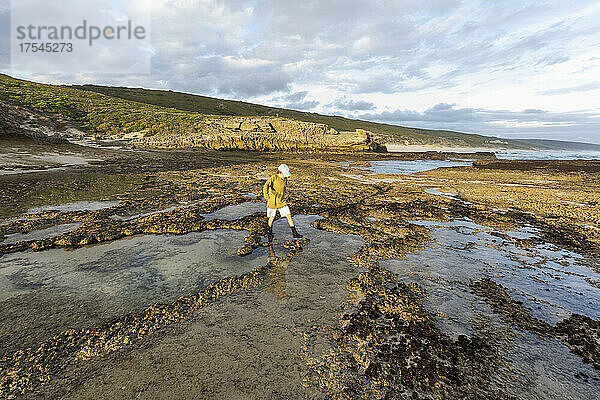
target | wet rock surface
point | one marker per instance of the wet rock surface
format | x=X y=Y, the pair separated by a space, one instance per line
x=322 y=317
x=578 y=332
x=112 y=279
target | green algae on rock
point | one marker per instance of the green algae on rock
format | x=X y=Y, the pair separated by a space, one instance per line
x=386 y=341
x=23 y=370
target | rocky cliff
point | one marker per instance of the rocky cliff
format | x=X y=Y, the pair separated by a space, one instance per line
x=199 y=131
x=260 y=134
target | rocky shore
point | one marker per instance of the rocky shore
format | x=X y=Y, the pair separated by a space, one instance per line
x=323 y=317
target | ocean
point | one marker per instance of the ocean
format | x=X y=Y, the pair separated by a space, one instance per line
x=546 y=155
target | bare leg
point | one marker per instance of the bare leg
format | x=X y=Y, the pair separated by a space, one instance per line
x=270 y=228
x=290 y=221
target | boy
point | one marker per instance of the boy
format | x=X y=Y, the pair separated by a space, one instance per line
x=274 y=193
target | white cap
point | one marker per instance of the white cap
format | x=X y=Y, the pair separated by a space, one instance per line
x=285 y=170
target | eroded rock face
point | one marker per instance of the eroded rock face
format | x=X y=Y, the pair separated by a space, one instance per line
x=217 y=133
x=263 y=134
x=19 y=121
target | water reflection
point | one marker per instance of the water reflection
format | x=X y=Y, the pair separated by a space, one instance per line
x=277 y=282
x=44 y=293
x=412 y=166
x=40 y=233
x=550 y=282
x=78 y=206
x=237 y=211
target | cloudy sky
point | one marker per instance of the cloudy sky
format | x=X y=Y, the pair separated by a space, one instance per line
x=505 y=68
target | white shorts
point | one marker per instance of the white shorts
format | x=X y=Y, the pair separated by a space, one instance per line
x=283 y=211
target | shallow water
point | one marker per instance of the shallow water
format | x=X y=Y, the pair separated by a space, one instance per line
x=44 y=293
x=464 y=250
x=153 y=267
x=318 y=275
x=437 y=192
x=413 y=166
x=25 y=155
x=90 y=285
x=163 y=210
x=15 y=160
x=546 y=369
x=237 y=211
x=40 y=233
x=78 y=206
x=249 y=339
x=551 y=283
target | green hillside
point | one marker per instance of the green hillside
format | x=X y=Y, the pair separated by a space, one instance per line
x=120 y=110
x=96 y=113
x=215 y=106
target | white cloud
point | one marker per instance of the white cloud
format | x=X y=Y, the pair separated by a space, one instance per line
x=568 y=125
x=380 y=56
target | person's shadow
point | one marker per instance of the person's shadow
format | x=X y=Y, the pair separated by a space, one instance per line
x=277 y=282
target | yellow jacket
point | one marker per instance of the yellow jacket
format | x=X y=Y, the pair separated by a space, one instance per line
x=274 y=192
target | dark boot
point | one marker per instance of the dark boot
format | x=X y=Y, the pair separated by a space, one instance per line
x=295 y=233
x=269 y=233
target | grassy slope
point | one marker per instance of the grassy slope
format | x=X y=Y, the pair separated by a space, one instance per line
x=211 y=105
x=118 y=110
x=96 y=113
